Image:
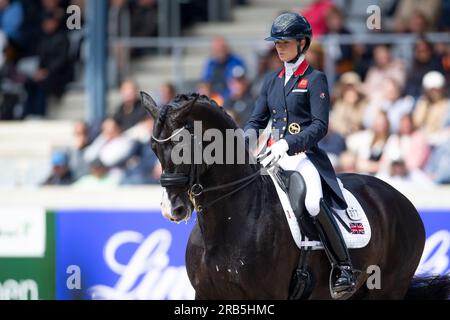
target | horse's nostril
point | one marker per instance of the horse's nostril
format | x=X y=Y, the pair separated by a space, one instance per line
x=179 y=211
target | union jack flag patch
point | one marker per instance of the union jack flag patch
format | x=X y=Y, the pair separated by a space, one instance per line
x=357 y=228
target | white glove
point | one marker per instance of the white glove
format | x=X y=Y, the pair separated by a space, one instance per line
x=274 y=153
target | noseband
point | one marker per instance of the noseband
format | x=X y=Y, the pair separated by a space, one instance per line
x=192 y=179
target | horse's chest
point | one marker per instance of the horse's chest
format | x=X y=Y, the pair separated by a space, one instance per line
x=222 y=274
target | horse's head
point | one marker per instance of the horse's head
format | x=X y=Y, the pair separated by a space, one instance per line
x=176 y=120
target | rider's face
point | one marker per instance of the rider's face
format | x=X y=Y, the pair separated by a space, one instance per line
x=287 y=49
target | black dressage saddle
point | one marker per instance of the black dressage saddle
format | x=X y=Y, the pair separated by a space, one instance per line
x=295 y=187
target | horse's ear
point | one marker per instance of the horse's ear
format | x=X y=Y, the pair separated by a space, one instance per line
x=184 y=110
x=149 y=104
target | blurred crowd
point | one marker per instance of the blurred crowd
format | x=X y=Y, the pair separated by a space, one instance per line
x=38 y=56
x=390 y=116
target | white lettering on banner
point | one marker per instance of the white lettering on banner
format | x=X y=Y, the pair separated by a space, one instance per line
x=12 y=289
x=435 y=257
x=147 y=275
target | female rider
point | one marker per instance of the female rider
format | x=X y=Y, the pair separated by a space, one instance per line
x=297 y=101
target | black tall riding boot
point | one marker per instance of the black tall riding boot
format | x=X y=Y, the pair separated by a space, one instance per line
x=335 y=247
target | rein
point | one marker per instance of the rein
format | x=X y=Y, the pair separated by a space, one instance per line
x=192 y=180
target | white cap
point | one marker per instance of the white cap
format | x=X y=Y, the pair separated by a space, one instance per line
x=433 y=80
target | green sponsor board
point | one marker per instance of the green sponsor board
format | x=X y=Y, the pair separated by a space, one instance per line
x=27 y=254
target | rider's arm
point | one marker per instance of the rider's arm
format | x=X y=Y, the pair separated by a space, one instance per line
x=319 y=100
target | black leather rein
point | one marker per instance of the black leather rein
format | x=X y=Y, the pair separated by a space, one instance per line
x=192 y=180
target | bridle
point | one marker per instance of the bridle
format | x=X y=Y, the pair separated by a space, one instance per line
x=192 y=179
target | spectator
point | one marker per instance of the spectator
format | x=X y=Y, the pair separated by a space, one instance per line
x=167 y=93
x=368 y=145
x=52 y=6
x=218 y=68
x=241 y=101
x=3 y=45
x=61 y=173
x=54 y=70
x=119 y=26
x=444 y=13
x=316 y=56
x=401 y=177
x=415 y=15
x=341 y=54
x=334 y=145
x=130 y=112
x=99 y=177
x=144 y=17
x=111 y=147
x=144 y=167
x=346 y=116
x=81 y=141
x=393 y=104
x=347 y=162
x=363 y=58
x=424 y=61
x=144 y=22
x=438 y=167
x=205 y=88
x=316 y=13
x=267 y=62
x=445 y=58
x=384 y=67
x=11 y=21
x=32 y=33
x=433 y=108
x=146 y=170
x=409 y=146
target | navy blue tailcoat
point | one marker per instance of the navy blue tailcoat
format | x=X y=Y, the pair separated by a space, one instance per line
x=300 y=112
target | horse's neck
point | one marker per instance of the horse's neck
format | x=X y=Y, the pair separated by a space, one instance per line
x=230 y=216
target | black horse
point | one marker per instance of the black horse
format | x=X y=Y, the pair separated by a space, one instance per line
x=241 y=246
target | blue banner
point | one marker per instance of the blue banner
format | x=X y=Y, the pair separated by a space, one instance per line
x=436 y=255
x=122 y=254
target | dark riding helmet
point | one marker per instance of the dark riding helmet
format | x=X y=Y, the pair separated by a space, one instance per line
x=289 y=26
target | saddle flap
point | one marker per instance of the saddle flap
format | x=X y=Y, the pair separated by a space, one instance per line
x=291 y=190
x=295 y=188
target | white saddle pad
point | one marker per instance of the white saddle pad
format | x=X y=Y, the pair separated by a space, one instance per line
x=355 y=219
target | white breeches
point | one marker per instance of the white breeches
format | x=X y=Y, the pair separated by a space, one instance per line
x=302 y=164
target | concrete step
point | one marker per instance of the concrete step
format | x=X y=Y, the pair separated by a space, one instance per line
x=256 y=29
x=263 y=14
x=35 y=129
x=35 y=138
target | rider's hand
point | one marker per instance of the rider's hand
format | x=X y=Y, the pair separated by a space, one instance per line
x=274 y=153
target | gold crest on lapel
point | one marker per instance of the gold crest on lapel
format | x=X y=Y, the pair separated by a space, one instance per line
x=294 y=128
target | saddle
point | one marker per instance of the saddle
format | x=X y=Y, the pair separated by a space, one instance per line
x=355 y=228
x=294 y=186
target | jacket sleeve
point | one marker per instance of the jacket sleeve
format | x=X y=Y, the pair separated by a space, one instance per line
x=261 y=114
x=319 y=100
